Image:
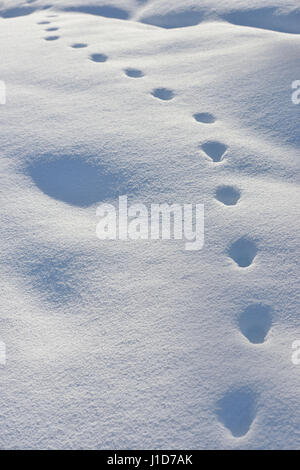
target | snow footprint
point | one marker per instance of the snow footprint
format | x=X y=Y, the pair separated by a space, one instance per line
x=255 y=322
x=228 y=195
x=243 y=251
x=237 y=411
x=98 y=57
x=79 y=45
x=205 y=118
x=52 y=38
x=133 y=73
x=52 y=28
x=214 y=150
x=163 y=94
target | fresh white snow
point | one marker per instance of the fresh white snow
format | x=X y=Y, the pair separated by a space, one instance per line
x=142 y=344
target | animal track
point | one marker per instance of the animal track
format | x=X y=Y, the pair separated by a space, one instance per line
x=205 y=118
x=228 y=195
x=243 y=252
x=133 y=73
x=98 y=57
x=44 y=22
x=237 y=411
x=214 y=150
x=51 y=38
x=79 y=45
x=74 y=181
x=255 y=322
x=163 y=94
x=52 y=28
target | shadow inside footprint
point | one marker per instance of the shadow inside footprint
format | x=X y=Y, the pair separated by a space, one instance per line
x=98 y=57
x=163 y=94
x=52 y=29
x=79 y=45
x=214 y=150
x=237 y=410
x=75 y=181
x=205 y=118
x=134 y=73
x=51 y=38
x=255 y=322
x=228 y=195
x=243 y=252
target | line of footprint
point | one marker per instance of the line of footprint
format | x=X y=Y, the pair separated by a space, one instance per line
x=238 y=408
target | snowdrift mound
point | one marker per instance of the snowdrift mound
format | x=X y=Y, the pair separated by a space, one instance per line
x=171 y=14
x=267 y=18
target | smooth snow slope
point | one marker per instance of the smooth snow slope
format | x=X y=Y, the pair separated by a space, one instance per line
x=142 y=344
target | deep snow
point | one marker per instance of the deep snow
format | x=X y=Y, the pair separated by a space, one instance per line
x=141 y=344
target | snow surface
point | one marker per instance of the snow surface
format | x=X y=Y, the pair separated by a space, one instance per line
x=141 y=344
